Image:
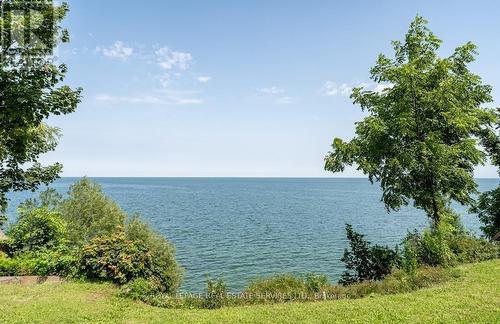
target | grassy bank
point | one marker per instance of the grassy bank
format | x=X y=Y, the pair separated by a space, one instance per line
x=474 y=297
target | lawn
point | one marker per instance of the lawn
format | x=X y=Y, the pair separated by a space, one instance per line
x=473 y=298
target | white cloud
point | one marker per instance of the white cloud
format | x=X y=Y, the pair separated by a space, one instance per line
x=379 y=88
x=272 y=90
x=204 y=78
x=278 y=94
x=330 y=88
x=118 y=50
x=146 y=99
x=161 y=99
x=168 y=59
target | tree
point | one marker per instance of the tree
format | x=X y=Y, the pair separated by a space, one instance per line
x=420 y=137
x=365 y=261
x=89 y=212
x=30 y=93
x=488 y=209
x=488 y=206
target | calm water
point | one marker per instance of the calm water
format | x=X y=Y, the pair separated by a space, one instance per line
x=246 y=228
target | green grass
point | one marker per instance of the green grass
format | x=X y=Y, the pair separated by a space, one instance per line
x=473 y=298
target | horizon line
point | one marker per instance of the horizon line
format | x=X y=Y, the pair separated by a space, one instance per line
x=237 y=177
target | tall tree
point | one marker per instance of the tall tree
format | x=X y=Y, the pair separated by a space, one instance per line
x=420 y=138
x=488 y=206
x=30 y=92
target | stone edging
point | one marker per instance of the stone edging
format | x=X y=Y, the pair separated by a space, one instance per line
x=30 y=280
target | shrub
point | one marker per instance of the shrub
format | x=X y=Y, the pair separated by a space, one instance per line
x=488 y=209
x=5 y=246
x=316 y=282
x=164 y=267
x=279 y=287
x=140 y=289
x=216 y=294
x=37 y=229
x=366 y=262
x=89 y=213
x=438 y=247
x=433 y=248
x=409 y=260
x=49 y=199
x=122 y=260
x=397 y=282
x=468 y=248
x=115 y=258
x=39 y=263
x=60 y=262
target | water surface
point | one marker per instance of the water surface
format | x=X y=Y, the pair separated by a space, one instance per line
x=243 y=228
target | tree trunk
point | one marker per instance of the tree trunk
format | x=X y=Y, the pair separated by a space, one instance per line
x=435 y=213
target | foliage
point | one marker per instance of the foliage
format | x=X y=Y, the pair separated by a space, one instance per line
x=164 y=267
x=471 y=298
x=409 y=259
x=315 y=282
x=288 y=288
x=107 y=247
x=44 y=262
x=115 y=258
x=468 y=248
x=488 y=209
x=434 y=249
x=30 y=94
x=89 y=213
x=37 y=229
x=431 y=247
x=280 y=286
x=442 y=247
x=48 y=198
x=216 y=294
x=366 y=262
x=3 y=220
x=121 y=260
x=420 y=138
x=140 y=289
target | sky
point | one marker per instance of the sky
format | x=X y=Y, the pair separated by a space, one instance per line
x=237 y=88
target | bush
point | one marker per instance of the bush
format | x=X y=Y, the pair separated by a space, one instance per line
x=39 y=263
x=49 y=199
x=89 y=213
x=397 y=282
x=366 y=262
x=164 y=267
x=468 y=248
x=439 y=247
x=316 y=282
x=432 y=248
x=216 y=294
x=115 y=258
x=280 y=287
x=121 y=260
x=140 y=289
x=409 y=260
x=488 y=209
x=37 y=229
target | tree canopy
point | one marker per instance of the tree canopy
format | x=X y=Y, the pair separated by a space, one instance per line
x=421 y=137
x=30 y=92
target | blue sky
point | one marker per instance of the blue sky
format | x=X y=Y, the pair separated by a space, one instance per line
x=233 y=88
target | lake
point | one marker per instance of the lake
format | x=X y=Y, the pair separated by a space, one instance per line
x=244 y=228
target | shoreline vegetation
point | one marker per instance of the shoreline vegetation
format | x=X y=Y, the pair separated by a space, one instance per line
x=473 y=297
x=67 y=236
